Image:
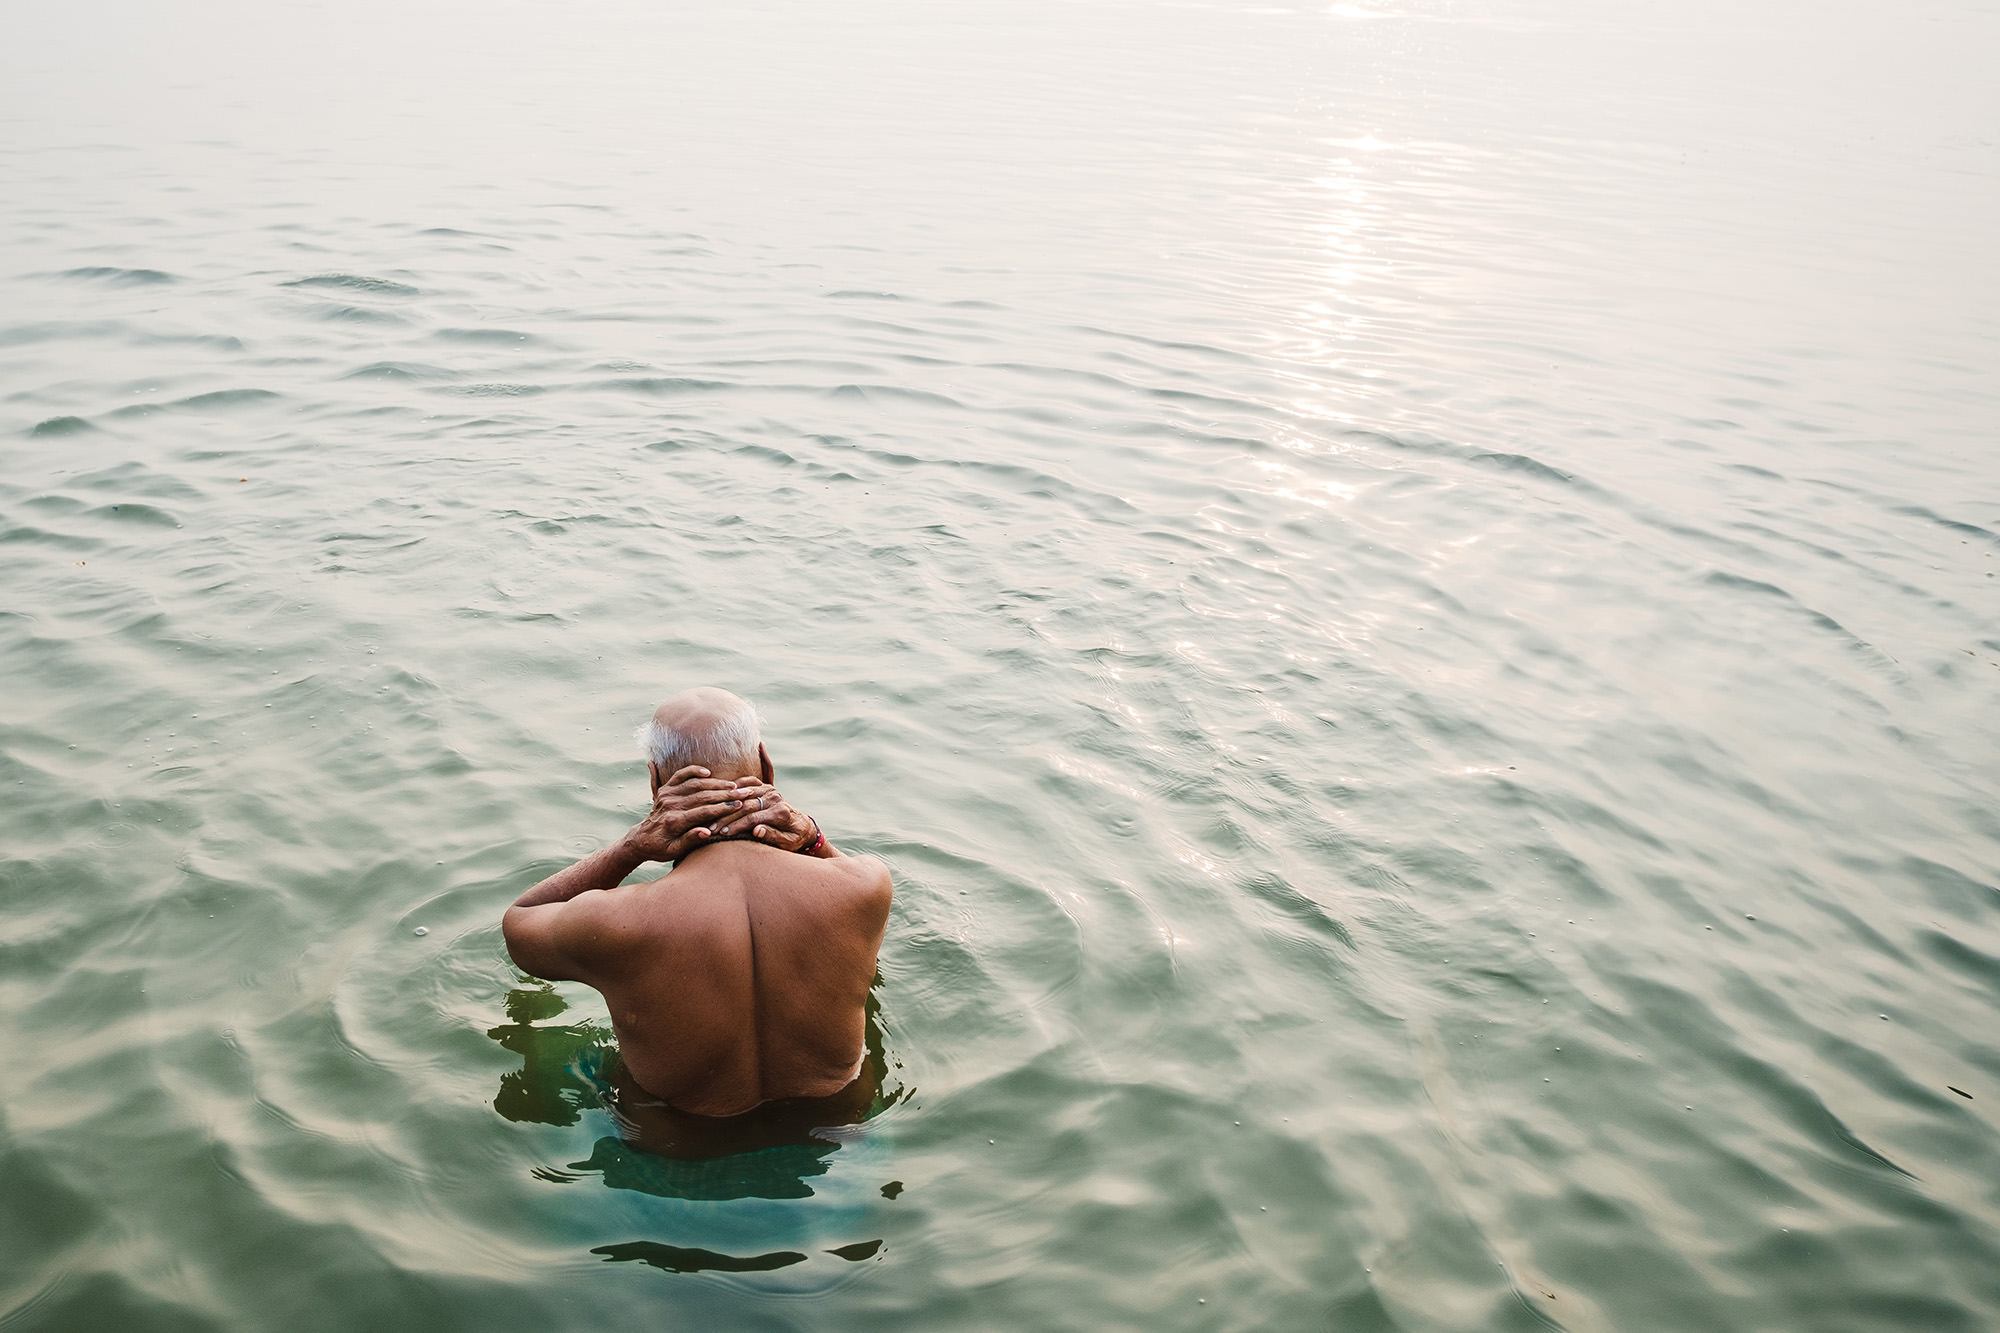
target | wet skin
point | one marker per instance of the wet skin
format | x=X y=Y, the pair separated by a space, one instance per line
x=738 y=979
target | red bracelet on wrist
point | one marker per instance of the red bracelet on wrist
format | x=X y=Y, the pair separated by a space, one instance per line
x=818 y=839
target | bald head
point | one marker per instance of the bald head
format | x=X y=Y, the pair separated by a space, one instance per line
x=703 y=726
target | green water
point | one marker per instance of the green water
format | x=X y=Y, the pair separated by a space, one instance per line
x=1408 y=589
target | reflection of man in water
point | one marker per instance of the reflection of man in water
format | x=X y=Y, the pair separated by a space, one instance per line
x=740 y=978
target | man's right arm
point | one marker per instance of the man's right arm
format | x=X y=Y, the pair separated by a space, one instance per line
x=542 y=940
x=547 y=929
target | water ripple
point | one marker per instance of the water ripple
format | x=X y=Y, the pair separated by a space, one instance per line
x=1417 y=645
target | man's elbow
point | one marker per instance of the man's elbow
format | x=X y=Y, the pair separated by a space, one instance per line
x=527 y=944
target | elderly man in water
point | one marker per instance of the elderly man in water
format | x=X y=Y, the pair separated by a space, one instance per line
x=739 y=978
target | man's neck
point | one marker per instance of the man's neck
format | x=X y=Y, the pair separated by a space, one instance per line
x=748 y=835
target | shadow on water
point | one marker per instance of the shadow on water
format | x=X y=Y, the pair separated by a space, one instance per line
x=685 y=1259
x=772 y=1152
x=682 y=1259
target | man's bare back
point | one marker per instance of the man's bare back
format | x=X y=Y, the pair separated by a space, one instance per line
x=741 y=977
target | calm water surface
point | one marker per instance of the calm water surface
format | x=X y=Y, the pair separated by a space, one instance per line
x=1408 y=588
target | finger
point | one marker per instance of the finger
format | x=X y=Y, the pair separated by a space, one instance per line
x=693 y=785
x=763 y=809
x=668 y=804
x=777 y=819
x=686 y=843
x=767 y=799
x=672 y=823
x=709 y=813
x=691 y=771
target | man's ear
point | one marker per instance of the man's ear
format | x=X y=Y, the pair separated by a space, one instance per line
x=653 y=773
x=764 y=769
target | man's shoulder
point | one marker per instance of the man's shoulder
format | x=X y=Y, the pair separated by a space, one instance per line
x=864 y=873
x=680 y=916
x=874 y=872
x=868 y=889
x=839 y=884
x=753 y=868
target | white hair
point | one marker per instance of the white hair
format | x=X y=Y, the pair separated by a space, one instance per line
x=727 y=739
